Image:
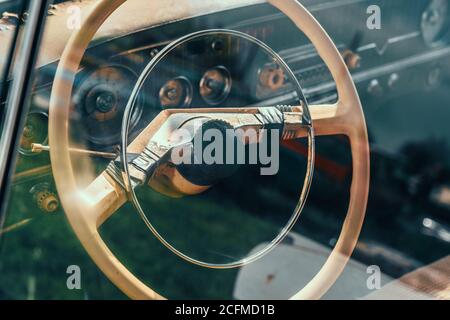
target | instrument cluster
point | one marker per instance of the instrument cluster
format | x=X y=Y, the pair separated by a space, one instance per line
x=212 y=71
x=222 y=71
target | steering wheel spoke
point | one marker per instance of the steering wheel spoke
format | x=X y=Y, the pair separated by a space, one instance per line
x=105 y=196
x=333 y=119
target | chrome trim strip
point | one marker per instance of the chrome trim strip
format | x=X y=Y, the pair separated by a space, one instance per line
x=19 y=95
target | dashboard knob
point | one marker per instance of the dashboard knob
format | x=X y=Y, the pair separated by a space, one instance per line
x=375 y=88
x=46 y=200
x=393 y=80
x=434 y=77
x=218 y=45
x=352 y=59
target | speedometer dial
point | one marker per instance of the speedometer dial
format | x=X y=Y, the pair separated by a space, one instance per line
x=215 y=85
x=100 y=102
x=176 y=93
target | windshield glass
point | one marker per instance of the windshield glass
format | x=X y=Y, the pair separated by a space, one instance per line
x=215 y=154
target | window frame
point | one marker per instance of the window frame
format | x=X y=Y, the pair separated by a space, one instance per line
x=17 y=104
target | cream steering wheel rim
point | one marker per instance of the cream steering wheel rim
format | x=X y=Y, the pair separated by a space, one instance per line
x=82 y=207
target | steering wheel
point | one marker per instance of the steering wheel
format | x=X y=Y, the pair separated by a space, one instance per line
x=87 y=208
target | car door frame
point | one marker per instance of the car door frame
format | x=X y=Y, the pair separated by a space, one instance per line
x=18 y=102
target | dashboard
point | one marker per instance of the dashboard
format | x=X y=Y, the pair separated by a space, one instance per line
x=410 y=51
x=407 y=58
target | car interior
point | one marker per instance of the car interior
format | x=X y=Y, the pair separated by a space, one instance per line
x=357 y=90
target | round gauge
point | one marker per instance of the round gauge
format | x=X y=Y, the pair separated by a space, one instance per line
x=35 y=131
x=100 y=102
x=435 y=22
x=215 y=85
x=271 y=78
x=176 y=93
